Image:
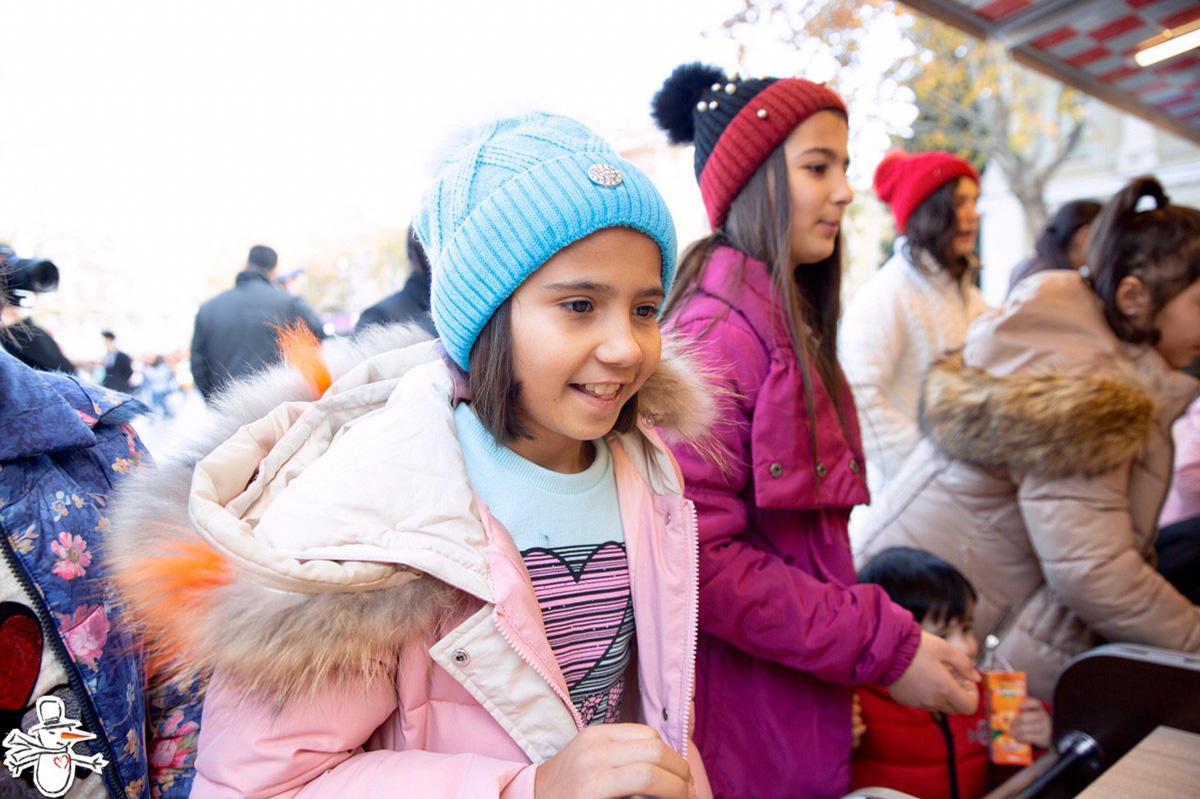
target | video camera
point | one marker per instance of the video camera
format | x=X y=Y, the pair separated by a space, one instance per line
x=25 y=275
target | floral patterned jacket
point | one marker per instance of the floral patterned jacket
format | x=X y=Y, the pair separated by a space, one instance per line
x=64 y=444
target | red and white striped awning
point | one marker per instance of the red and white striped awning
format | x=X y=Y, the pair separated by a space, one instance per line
x=1090 y=44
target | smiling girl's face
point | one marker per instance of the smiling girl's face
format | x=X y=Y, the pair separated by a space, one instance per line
x=817 y=161
x=584 y=339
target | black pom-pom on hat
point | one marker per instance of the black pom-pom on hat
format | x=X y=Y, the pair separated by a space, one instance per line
x=698 y=105
x=674 y=103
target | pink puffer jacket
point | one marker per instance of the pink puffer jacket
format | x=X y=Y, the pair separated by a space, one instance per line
x=371 y=628
x=1183 y=500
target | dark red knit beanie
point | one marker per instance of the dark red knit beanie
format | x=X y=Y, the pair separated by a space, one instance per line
x=905 y=181
x=735 y=123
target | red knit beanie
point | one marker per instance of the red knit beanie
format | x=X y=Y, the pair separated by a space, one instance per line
x=905 y=181
x=734 y=123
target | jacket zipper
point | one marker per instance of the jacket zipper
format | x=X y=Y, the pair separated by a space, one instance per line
x=87 y=710
x=952 y=765
x=693 y=625
x=579 y=725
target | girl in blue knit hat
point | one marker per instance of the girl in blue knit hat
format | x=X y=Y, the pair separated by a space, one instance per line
x=467 y=568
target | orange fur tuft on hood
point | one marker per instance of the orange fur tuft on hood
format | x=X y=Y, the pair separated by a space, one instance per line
x=302 y=352
x=166 y=588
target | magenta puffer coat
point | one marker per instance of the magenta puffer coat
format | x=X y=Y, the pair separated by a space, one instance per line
x=784 y=631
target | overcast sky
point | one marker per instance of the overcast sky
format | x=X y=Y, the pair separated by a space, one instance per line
x=155 y=140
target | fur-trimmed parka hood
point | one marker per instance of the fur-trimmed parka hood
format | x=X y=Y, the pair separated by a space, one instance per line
x=297 y=540
x=1043 y=423
x=1044 y=386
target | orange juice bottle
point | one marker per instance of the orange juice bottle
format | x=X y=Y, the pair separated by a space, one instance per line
x=1003 y=692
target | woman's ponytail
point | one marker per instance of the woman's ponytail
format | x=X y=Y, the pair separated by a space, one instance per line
x=1117 y=213
x=1160 y=246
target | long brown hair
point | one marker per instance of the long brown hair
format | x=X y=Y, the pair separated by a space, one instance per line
x=931 y=229
x=1160 y=247
x=759 y=225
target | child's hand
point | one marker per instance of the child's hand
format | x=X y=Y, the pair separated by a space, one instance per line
x=610 y=761
x=1032 y=724
x=857 y=725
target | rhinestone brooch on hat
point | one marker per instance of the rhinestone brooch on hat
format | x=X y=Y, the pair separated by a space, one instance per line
x=604 y=175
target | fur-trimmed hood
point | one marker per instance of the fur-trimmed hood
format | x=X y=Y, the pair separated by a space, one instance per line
x=1045 y=387
x=1043 y=423
x=293 y=541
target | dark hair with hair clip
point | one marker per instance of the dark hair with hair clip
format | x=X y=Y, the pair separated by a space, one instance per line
x=921 y=583
x=1160 y=247
x=495 y=391
x=931 y=229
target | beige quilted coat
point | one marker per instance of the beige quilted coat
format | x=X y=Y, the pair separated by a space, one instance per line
x=1045 y=457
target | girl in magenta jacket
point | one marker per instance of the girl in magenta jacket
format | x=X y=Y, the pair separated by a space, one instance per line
x=785 y=632
x=465 y=572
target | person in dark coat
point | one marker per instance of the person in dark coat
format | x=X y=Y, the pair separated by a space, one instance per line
x=411 y=303
x=118 y=366
x=236 y=331
x=33 y=345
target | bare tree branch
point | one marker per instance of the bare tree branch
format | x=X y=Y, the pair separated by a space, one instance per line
x=1066 y=147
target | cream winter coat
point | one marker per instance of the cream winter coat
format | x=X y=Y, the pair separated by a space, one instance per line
x=895 y=327
x=1046 y=457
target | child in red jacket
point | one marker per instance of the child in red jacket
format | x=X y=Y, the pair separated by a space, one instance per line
x=931 y=755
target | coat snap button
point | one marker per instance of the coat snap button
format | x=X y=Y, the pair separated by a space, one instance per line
x=667 y=517
x=666 y=715
x=854 y=467
x=820 y=470
x=461 y=657
x=776 y=469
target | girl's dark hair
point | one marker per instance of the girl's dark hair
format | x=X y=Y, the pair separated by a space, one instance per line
x=931 y=229
x=759 y=225
x=1051 y=246
x=921 y=583
x=1160 y=247
x=494 y=387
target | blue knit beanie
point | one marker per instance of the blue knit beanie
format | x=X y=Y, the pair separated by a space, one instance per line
x=522 y=189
